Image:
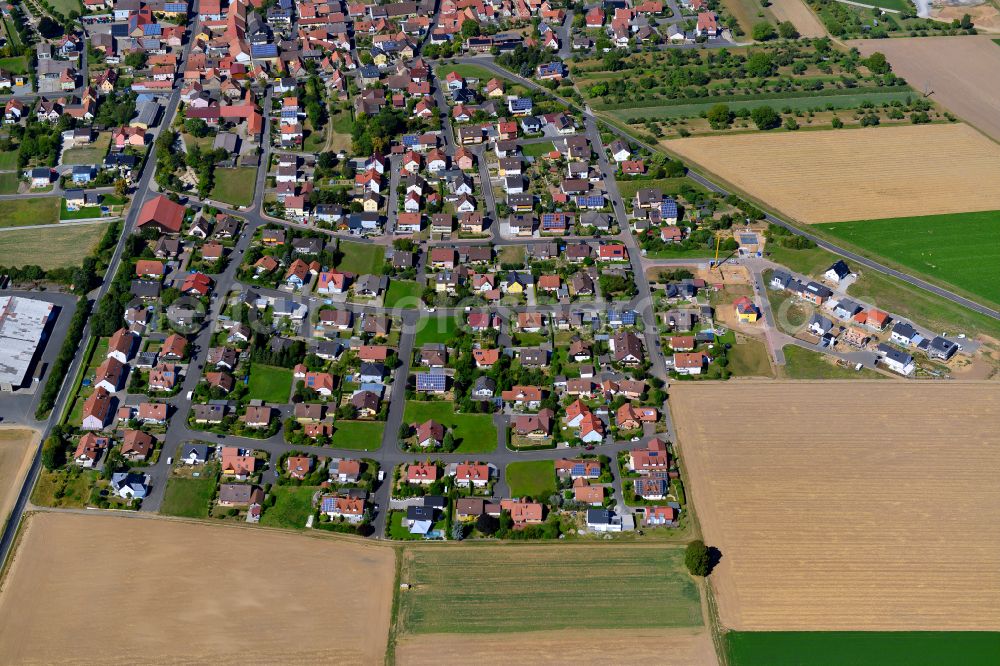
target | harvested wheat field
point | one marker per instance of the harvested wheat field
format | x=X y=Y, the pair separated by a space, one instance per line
x=90 y=588
x=17 y=445
x=860 y=174
x=800 y=15
x=665 y=647
x=847 y=505
x=962 y=73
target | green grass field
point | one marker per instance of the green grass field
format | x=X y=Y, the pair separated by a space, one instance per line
x=91 y=154
x=358 y=435
x=68 y=488
x=805 y=364
x=810 y=262
x=361 y=258
x=400 y=532
x=435 y=329
x=537 y=149
x=403 y=294
x=15 y=64
x=466 y=71
x=8 y=159
x=961 y=249
x=83 y=213
x=534 y=478
x=55 y=247
x=899 y=5
x=524 y=588
x=270 y=383
x=234 y=186
x=9 y=182
x=64 y=7
x=669 y=186
x=749 y=359
x=475 y=433
x=861 y=648
x=292 y=507
x=190 y=497
x=30 y=212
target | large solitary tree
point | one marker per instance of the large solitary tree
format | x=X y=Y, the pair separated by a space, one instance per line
x=698 y=559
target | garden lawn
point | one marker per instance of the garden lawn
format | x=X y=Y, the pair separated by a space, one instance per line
x=435 y=329
x=189 y=497
x=812 y=262
x=57 y=246
x=361 y=258
x=400 y=532
x=292 y=507
x=15 y=64
x=537 y=149
x=475 y=433
x=862 y=648
x=9 y=182
x=64 y=7
x=91 y=154
x=749 y=359
x=669 y=186
x=84 y=213
x=960 y=249
x=234 y=186
x=532 y=478
x=270 y=383
x=30 y=212
x=805 y=364
x=403 y=293
x=8 y=159
x=466 y=71
x=358 y=435
x=537 y=588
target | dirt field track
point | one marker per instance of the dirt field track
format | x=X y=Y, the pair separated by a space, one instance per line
x=961 y=73
x=801 y=17
x=842 y=175
x=667 y=647
x=16 y=448
x=89 y=589
x=847 y=506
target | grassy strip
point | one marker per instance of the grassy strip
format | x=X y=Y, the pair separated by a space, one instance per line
x=723 y=99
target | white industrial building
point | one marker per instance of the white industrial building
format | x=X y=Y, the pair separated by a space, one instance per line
x=23 y=323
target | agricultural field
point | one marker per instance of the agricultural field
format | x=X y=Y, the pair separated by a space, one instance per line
x=474 y=433
x=361 y=258
x=270 y=383
x=57 y=246
x=402 y=294
x=17 y=448
x=929 y=64
x=46 y=607
x=30 y=212
x=838 y=176
x=531 y=478
x=862 y=648
x=960 y=249
x=796 y=11
x=234 y=186
x=822 y=531
x=540 y=588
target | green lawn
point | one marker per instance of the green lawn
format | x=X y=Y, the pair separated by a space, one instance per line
x=435 y=329
x=29 y=212
x=862 y=648
x=466 y=71
x=190 y=497
x=234 y=186
x=92 y=154
x=961 y=249
x=475 y=433
x=537 y=149
x=403 y=294
x=526 y=588
x=810 y=262
x=67 y=488
x=400 y=532
x=806 y=364
x=361 y=258
x=9 y=182
x=8 y=159
x=270 y=383
x=532 y=478
x=64 y=7
x=292 y=507
x=14 y=65
x=84 y=213
x=358 y=435
x=56 y=246
x=669 y=186
x=749 y=359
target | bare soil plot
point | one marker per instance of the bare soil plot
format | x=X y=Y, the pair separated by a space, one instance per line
x=89 y=588
x=16 y=448
x=837 y=176
x=962 y=73
x=801 y=17
x=847 y=506
x=669 y=647
x=986 y=17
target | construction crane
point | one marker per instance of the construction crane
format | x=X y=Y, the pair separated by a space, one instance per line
x=718 y=242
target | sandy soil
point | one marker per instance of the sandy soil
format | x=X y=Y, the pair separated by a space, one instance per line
x=669 y=647
x=837 y=176
x=801 y=17
x=847 y=505
x=963 y=73
x=16 y=448
x=986 y=17
x=90 y=588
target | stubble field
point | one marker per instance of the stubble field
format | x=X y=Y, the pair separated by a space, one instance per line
x=878 y=172
x=861 y=506
x=17 y=445
x=87 y=589
x=962 y=73
x=800 y=15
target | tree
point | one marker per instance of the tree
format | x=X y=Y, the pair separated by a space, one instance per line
x=487 y=524
x=786 y=30
x=53 y=453
x=698 y=559
x=765 y=118
x=121 y=188
x=49 y=29
x=763 y=32
x=760 y=64
x=457 y=531
x=877 y=63
x=719 y=116
x=136 y=59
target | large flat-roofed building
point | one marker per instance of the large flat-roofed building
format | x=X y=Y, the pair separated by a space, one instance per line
x=23 y=327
